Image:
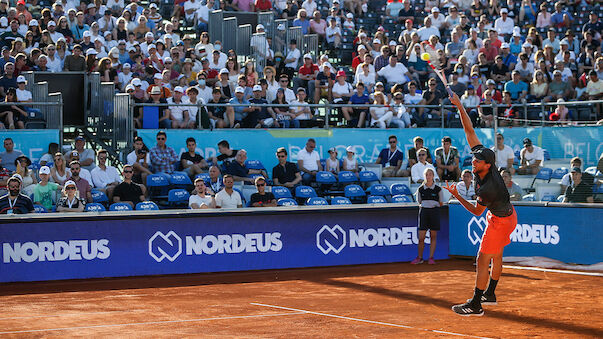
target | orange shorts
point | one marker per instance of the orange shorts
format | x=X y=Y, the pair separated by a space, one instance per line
x=498 y=233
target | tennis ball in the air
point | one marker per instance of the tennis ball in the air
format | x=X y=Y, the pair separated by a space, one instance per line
x=425 y=56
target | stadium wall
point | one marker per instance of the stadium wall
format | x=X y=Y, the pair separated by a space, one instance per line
x=553 y=230
x=261 y=144
x=49 y=247
x=33 y=143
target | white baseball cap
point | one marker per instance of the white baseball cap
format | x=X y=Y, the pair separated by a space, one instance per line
x=34 y=22
x=224 y=71
x=126 y=65
x=350 y=16
x=91 y=51
x=239 y=89
x=167 y=59
x=179 y=89
x=350 y=149
x=136 y=82
x=504 y=10
x=52 y=23
x=257 y=88
x=158 y=76
x=505 y=45
x=44 y=170
x=130 y=87
x=21 y=79
x=259 y=26
x=151 y=46
x=435 y=9
x=87 y=34
x=70 y=183
x=376 y=41
x=149 y=35
x=307 y=56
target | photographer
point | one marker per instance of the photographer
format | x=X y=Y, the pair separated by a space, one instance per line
x=139 y=159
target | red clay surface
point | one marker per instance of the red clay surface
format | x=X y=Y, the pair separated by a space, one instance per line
x=388 y=300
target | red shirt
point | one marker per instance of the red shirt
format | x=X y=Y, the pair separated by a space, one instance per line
x=262 y=5
x=490 y=53
x=355 y=62
x=305 y=70
x=211 y=73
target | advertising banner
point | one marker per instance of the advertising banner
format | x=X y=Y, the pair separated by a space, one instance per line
x=33 y=143
x=204 y=243
x=560 y=142
x=569 y=234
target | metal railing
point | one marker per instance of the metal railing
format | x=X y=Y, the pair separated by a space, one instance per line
x=52 y=110
x=267 y=20
x=244 y=40
x=279 y=37
x=230 y=33
x=310 y=45
x=216 y=26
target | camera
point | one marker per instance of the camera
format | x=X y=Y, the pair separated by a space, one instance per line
x=141 y=151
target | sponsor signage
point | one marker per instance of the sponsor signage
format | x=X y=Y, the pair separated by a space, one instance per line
x=203 y=243
x=563 y=233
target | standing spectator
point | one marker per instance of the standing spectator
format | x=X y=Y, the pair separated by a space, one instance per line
x=580 y=192
x=105 y=177
x=162 y=156
x=86 y=155
x=447 y=160
x=14 y=202
x=204 y=198
x=515 y=192
x=532 y=158
x=391 y=159
x=308 y=162
x=504 y=154
x=228 y=197
x=75 y=62
x=418 y=169
x=192 y=162
x=44 y=190
x=84 y=186
x=9 y=156
x=128 y=191
x=70 y=200
x=262 y=198
x=430 y=198
x=465 y=186
x=285 y=173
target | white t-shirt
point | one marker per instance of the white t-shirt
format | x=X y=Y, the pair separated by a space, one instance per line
x=418 y=169
x=502 y=156
x=310 y=159
x=196 y=199
x=537 y=154
x=297 y=106
x=425 y=32
x=330 y=31
x=346 y=88
x=103 y=178
x=294 y=54
x=394 y=75
x=309 y=6
x=131 y=158
x=466 y=192
x=191 y=5
x=437 y=22
x=177 y=112
x=24 y=95
x=225 y=200
x=504 y=26
x=412 y=99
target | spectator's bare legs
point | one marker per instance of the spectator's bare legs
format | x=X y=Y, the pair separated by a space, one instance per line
x=346 y=113
x=361 y=118
x=433 y=238
x=8 y=119
x=421 y=243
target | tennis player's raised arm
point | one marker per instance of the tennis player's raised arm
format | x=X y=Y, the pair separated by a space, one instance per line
x=466 y=121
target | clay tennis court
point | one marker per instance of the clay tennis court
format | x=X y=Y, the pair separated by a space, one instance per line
x=369 y=301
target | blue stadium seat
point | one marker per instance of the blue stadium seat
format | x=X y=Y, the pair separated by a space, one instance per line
x=368 y=176
x=120 y=206
x=559 y=173
x=324 y=177
x=355 y=193
x=545 y=173
x=315 y=201
x=467 y=162
x=340 y=201
x=204 y=176
x=347 y=177
x=179 y=198
x=281 y=192
x=548 y=197
x=40 y=209
x=99 y=197
x=376 y=199
x=158 y=185
x=286 y=202
x=254 y=164
x=560 y=198
x=180 y=180
x=243 y=200
x=401 y=189
x=304 y=192
x=529 y=197
x=379 y=189
x=147 y=206
x=399 y=198
x=547 y=155
x=592 y=171
x=94 y=207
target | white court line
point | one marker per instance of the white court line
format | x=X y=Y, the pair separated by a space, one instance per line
x=153 y=322
x=528 y=268
x=368 y=321
x=66 y=315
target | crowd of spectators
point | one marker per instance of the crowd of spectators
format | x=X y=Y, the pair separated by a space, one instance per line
x=492 y=51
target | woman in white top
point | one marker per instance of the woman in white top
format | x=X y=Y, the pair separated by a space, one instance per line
x=270 y=75
x=366 y=77
x=70 y=201
x=332 y=163
x=471 y=52
x=54 y=63
x=59 y=173
x=28 y=177
x=349 y=162
x=381 y=116
x=342 y=91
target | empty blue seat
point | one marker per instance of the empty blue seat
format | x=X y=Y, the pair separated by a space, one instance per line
x=400 y=189
x=316 y=201
x=324 y=177
x=544 y=173
x=400 y=198
x=379 y=189
x=281 y=192
x=560 y=198
x=286 y=202
x=204 y=176
x=178 y=197
x=99 y=197
x=147 y=206
x=367 y=176
x=355 y=193
x=254 y=164
x=304 y=192
x=547 y=155
x=340 y=201
x=158 y=185
x=529 y=197
x=559 y=173
x=346 y=177
x=548 y=197
x=180 y=180
x=120 y=206
x=376 y=199
x=40 y=209
x=94 y=207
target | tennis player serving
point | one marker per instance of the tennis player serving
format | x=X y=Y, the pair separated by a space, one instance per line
x=501 y=217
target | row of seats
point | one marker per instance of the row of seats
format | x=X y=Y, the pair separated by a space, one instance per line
x=318 y=201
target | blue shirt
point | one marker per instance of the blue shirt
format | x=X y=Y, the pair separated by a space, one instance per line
x=239 y=114
x=359 y=99
x=516 y=89
x=515 y=49
x=305 y=25
x=509 y=59
x=389 y=158
x=557 y=18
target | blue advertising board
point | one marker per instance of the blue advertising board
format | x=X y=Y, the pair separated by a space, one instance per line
x=33 y=143
x=93 y=247
x=261 y=144
x=568 y=234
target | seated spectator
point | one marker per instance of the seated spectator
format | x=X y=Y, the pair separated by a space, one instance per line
x=306 y=75
x=471 y=102
x=179 y=114
x=285 y=173
x=128 y=191
x=431 y=96
x=300 y=109
x=14 y=202
x=447 y=160
x=140 y=161
x=580 y=191
x=44 y=190
x=28 y=177
x=324 y=83
x=515 y=192
x=332 y=163
x=465 y=186
x=239 y=116
x=162 y=156
x=260 y=116
x=561 y=18
x=227 y=155
x=308 y=162
x=394 y=73
x=105 y=177
x=391 y=159
x=53 y=148
x=215 y=183
x=239 y=171
x=499 y=71
x=539 y=87
x=192 y=162
x=594 y=87
x=9 y=156
x=567 y=179
x=262 y=198
x=393 y=8
x=228 y=197
x=70 y=201
x=360 y=100
x=401 y=118
x=350 y=163
x=164 y=112
x=517 y=88
x=381 y=114
x=204 y=197
x=532 y=158
x=504 y=154
x=84 y=185
x=418 y=169
x=558 y=89
x=412 y=152
x=59 y=173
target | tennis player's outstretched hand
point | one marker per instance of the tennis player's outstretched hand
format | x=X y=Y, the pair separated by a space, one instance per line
x=455 y=100
x=452 y=187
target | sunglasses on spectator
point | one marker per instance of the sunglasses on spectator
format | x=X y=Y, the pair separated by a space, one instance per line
x=70 y=188
x=160 y=138
x=281 y=156
x=422 y=154
x=260 y=184
x=393 y=142
x=130 y=171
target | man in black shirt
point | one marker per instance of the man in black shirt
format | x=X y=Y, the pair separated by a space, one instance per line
x=128 y=191
x=192 y=162
x=501 y=217
x=14 y=202
x=580 y=191
x=285 y=173
x=432 y=96
x=227 y=155
x=262 y=198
